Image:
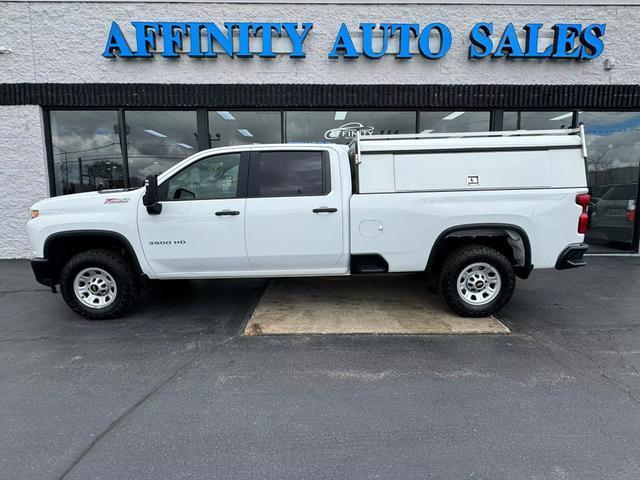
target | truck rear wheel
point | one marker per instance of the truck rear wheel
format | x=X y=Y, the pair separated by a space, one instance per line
x=99 y=284
x=477 y=281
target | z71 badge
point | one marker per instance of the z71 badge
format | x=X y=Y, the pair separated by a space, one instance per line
x=115 y=200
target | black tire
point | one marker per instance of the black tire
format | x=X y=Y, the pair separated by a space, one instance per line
x=463 y=258
x=120 y=270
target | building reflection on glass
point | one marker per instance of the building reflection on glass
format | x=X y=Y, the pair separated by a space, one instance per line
x=613 y=147
x=86 y=150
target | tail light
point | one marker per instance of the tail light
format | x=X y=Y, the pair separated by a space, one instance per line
x=583 y=221
x=631 y=211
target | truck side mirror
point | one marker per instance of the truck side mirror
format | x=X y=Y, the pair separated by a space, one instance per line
x=150 y=198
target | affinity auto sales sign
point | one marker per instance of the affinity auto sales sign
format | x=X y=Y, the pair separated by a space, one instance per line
x=234 y=39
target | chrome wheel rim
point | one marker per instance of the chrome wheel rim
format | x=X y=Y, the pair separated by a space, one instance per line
x=479 y=283
x=95 y=288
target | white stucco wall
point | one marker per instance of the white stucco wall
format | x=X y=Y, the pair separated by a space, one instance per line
x=63 y=42
x=23 y=178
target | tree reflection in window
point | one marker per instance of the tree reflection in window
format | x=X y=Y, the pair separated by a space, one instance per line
x=86 y=150
x=613 y=148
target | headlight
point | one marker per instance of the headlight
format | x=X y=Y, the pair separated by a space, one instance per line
x=35 y=213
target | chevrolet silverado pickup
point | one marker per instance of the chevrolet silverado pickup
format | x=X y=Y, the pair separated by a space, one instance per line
x=472 y=210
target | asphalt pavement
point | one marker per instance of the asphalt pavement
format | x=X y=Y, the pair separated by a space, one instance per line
x=174 y=391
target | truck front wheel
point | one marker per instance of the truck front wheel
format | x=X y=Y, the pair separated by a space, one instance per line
x=99 y=284
x=477 y=281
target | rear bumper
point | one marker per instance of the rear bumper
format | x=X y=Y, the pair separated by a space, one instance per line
x=43 y=271
x=572 y=256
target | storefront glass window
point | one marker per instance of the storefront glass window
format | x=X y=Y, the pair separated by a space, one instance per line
x=157 y=140
x=537 y=120
x=86 y=150
x=613 y=147
x=243 y=128
x=443 y=121
x=341 y=127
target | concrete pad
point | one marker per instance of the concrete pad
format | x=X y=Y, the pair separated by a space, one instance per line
x=387 y=304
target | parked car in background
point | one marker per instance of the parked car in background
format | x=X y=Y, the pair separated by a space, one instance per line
x=613 y=214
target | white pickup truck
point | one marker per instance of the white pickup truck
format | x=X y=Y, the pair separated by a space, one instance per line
x=473 y=210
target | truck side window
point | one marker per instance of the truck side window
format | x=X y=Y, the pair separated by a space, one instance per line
x=289 y=173
x=210 y=178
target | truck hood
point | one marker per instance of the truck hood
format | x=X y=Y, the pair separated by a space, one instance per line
x=88 y=200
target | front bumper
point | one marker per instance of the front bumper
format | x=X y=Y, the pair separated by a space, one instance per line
x=43 y=271
x=572 y=256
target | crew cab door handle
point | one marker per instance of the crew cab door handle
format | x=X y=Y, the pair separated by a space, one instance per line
x=227 y=212
x=324 y=210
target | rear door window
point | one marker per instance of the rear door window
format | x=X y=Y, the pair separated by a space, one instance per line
x=289 y=174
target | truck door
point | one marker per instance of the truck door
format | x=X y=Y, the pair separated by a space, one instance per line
x=294 y=211
x=200 y=230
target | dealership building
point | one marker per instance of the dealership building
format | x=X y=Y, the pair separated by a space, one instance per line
x=98 y=95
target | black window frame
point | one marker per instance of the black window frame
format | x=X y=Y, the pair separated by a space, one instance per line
x=241 y=190
x=253 y=183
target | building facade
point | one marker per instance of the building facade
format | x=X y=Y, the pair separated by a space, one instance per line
x=98 y=95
